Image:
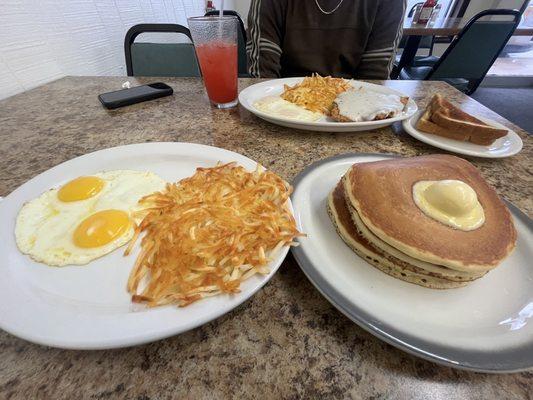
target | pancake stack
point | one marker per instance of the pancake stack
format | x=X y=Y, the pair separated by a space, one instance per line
x=373 y=210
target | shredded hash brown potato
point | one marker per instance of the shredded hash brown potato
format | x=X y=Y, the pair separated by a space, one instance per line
x=206 y=234
x=316 y=93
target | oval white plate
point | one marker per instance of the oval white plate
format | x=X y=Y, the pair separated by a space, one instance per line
x=486 y=326
x=88 y=307
x=506 y=146
x=251 y=94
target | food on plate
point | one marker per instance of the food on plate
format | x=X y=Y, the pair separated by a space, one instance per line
x=83 y=219
x=316 y=93
x=276 y=106
x=392 y=262
x=316 y=96
x=442 y=118
x=357 y=105
x=431 y=220
x=206 y=234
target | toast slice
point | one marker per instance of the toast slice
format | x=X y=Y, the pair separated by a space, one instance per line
x=442 y=118
x=475 y=133
x=439 y=103
x=425 y=124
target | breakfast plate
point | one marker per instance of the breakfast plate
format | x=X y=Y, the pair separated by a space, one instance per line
x=88 y=306
x=506 y=146
x=250 y=95
x=485 y=326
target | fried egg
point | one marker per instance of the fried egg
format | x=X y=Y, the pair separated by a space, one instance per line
x=278 y=107
x=85 y=218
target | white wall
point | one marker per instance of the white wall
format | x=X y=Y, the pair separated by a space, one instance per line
x=241 y=6
x=42 y=40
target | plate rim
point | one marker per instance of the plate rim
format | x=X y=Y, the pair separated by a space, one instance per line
x=389 y=334
x=423 y=137
x=325 y=124
x=149 y=336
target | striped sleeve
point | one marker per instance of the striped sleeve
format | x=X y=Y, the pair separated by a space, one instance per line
x=378 y=57
x=266 y=23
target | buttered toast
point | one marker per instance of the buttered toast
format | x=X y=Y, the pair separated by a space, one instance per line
x=442 y=118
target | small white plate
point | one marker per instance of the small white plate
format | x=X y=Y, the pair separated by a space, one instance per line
x=88 y=307
x=506 y=146
x=485 y=326
x=251 y=94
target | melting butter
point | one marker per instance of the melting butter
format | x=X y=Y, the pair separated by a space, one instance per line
x=451 y=202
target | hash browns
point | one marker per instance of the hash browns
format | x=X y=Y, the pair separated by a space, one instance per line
x=206 y=234
x=316 y=93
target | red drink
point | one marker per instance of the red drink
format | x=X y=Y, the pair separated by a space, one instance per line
x=218 y=62
x=215 y=41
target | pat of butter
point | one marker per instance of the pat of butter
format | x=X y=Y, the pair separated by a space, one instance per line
x=450 y=202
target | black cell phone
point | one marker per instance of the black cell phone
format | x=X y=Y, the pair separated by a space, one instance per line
x=137 y=94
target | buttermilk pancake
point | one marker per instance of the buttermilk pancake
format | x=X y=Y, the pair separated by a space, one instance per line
x=414 y=264
x=388 y=263
x=380 y=196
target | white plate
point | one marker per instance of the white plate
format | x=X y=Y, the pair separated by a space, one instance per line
x=88 y=307
x=506 y=146
x=485 y=326
x=251 y=94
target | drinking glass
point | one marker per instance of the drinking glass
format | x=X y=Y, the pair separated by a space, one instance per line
x=215 y=42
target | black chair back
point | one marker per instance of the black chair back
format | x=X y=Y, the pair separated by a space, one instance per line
x=160 y=59
x=473 y=51
x=412 y=10
x=426 y=42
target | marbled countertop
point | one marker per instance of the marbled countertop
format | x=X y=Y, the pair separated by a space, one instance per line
x=285 y=342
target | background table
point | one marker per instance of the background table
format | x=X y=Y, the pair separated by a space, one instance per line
x=440 y=27
x=287 y=341
x=449 y=27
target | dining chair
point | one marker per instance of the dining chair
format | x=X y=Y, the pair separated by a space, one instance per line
x=160 y=59
x=426 y=42
x=241 y=41
x=413 y=8
x=471 y=53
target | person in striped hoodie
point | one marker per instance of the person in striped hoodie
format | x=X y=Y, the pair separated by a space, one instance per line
x=341 y=38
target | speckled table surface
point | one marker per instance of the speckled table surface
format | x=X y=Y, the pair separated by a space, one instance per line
x=285 y=342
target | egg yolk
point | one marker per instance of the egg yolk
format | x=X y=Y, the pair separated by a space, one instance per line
x=80 y=188
x=101 y=228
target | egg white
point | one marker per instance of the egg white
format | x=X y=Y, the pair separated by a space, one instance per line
x=45 y=225
x=278 y=107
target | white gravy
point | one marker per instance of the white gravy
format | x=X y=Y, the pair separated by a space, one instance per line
x=364 y=105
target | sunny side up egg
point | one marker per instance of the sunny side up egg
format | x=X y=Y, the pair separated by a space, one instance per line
x=85 y=218
x=278 y=107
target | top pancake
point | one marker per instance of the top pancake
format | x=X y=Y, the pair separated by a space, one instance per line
x=381 y=192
